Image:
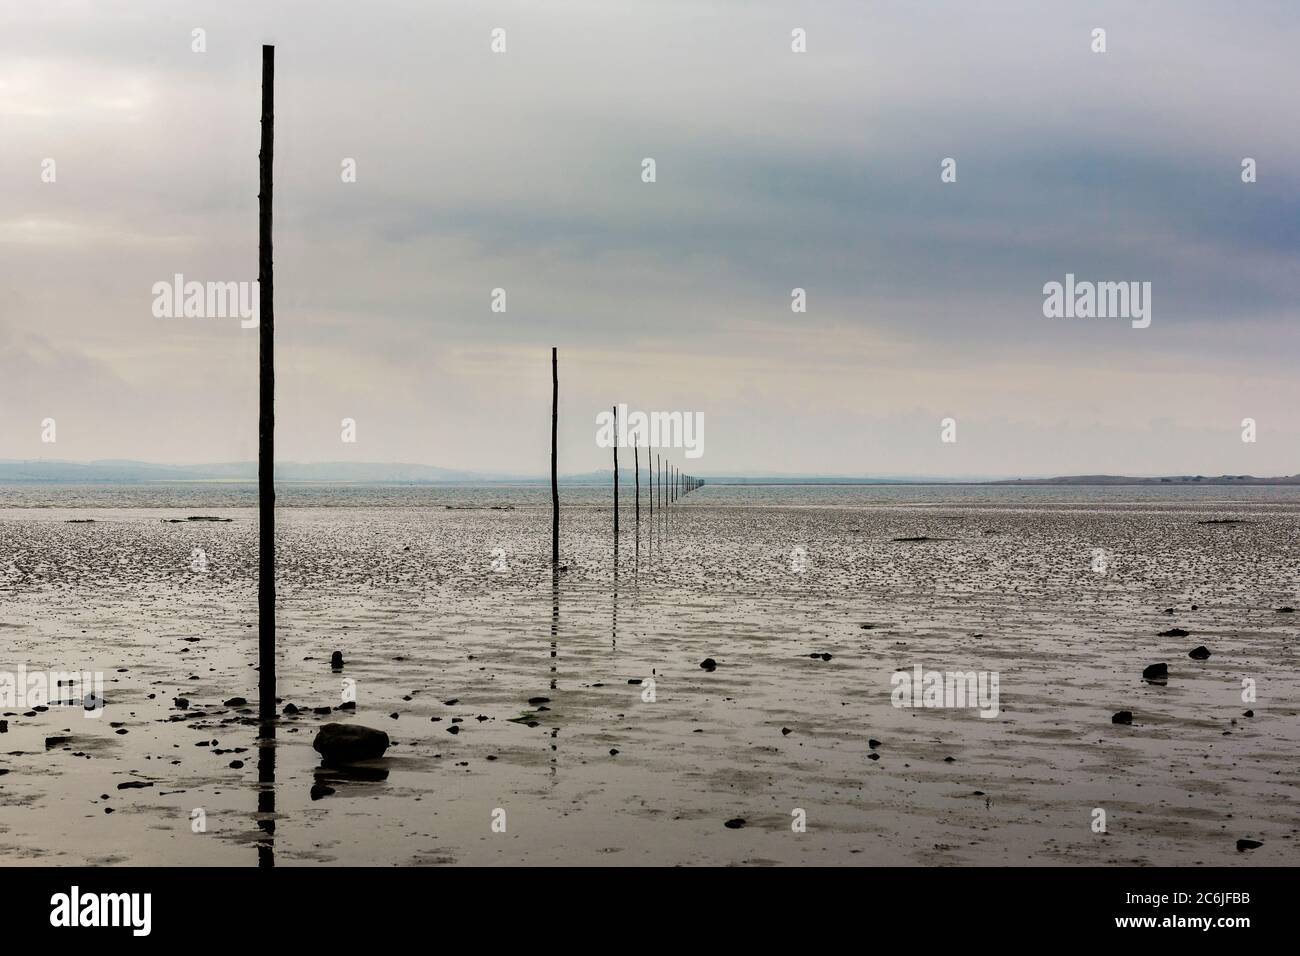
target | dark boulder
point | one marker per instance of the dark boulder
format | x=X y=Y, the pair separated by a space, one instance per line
x=1122 y=717
x=1156 y=671
x=348 y=743
x=1199 y=653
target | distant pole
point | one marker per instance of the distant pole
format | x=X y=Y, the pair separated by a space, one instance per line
x=616 y=476
x=650 y=473
x=636 y=465
x=555 y=485
x=266 y=404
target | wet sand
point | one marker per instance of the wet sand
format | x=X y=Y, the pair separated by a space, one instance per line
x=410 y=597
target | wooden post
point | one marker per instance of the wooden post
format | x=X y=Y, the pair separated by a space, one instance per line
x=636 y=466
x=266 y=404
x=555 y=485
x=615 y=476
x=650 y=473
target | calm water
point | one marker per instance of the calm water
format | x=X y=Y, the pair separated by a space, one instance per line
x=341 y=494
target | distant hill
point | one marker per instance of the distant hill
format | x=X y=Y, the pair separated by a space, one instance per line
x=1170 y=480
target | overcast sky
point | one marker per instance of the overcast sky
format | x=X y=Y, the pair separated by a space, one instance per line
x=775 y=170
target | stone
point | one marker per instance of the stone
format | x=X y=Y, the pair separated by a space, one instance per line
x=348 y=743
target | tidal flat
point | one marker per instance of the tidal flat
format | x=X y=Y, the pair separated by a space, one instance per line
x=566 y=719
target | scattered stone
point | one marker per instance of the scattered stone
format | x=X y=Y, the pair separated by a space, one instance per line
x=56 y=741
x=785 y=731
x=235 y=702
x=135 y=785
x=236 y=765
x=735 y=823
x=1174 y=632
x=613 y=751
x=453 y=702
x=708 y=664
x=322 y=710
x=1155 y=671
x=454 y=729
x=1248 y=713
x=1199 y=653
x=873 y=756
x=290 y=710
x=637 y=680
x=346 y=743
x=873 y=743
x=949 y=759
x=1243 y=845
x=319 y=790
x=4 y=726
x=1286 y=610
x=336 y=660
x=1122 y=717
x=181 y=702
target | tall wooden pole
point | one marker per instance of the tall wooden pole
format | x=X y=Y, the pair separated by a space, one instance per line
x=555 y=485
x=650 y=473
x=636 y=465
x=266 y=404
x=616 y=476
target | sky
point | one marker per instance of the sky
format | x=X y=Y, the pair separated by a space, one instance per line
x=774 y=170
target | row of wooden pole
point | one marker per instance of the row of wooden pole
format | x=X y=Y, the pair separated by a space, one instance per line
x=673 y=484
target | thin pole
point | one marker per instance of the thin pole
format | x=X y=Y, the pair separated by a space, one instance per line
x=555 y=485
x=636 y=465
x=650 y=473
x=266 y=404
x=616 y=476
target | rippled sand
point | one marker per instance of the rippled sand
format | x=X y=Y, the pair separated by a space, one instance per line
x=431 y=633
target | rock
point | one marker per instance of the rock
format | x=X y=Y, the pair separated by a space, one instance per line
x=319 y=790
x=347 y=743
x=1248 y=713
x=949 y=759
x=708 y=663
x=613 y=751
x=181 y=702
x=454 y=729
x=785 y=731
x=539 y=700
x=235 y=702
x=1174 y=632
x=135 y=785
x=873 y=756
x=735 y=823
x=1122 y=717
x=236 y=765
x=290 y=710
x=1199 y=653
x=1155 y=671
x=56 y=741
x=1243 y=845
x=1286 y=610
x=4 y=726
x=336 y=660
x=873 y=743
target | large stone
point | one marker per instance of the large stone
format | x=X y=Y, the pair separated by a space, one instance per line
x=349 y=743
